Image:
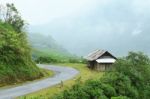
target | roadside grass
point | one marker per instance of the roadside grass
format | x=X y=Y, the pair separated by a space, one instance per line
x=46 y=73
x=49 y=93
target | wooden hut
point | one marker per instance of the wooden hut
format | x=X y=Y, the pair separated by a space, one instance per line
x=100 y=60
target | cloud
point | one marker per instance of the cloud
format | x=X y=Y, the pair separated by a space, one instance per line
x=136 y=32
x=43 y=11
x=106 y=24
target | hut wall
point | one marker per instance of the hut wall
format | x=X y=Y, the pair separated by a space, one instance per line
x=99 y=66
x=102 y=67
x=108 y=67
x=91 y=64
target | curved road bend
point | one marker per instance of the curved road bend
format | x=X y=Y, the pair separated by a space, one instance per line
x=62 y=74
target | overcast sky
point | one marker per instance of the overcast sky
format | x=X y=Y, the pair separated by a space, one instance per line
x=85 y=25
x=43 y=11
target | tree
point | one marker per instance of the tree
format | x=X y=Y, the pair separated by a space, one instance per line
x=129 y=80
x=136 y=66
x=16 y=64
x=9 y=14
x=138 y=58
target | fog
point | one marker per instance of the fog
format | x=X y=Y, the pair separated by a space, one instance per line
x=118 y=26
x=82 y=26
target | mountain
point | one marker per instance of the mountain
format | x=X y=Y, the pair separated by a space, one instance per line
x=119 y=39
x=44 y=45
x=118 y=26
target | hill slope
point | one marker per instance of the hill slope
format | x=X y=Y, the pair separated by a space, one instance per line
x=45 y=46
x=15 y=59
x=46 y=50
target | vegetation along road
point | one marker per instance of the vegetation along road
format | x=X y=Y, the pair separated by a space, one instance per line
x=61 y=74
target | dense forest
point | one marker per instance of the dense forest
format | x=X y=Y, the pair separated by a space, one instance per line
x=130 y=79
x=15 y=53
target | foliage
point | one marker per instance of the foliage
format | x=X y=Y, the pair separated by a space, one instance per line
x=130 y=79
x=53 y=56
x=46 y=60
x=16 y=64
x=59 y=59
x=85 y=74
x=10 y=15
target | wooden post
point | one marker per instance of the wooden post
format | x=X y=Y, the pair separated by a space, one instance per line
x=61 y=84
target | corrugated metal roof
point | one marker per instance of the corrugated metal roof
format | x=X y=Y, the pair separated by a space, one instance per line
x=95 y=54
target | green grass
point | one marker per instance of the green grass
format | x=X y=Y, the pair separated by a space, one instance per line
x=46 y=73
x=53 y=56
x=49 y=52
x=48 y=93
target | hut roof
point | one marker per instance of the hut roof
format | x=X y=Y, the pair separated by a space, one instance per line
x=97 y=54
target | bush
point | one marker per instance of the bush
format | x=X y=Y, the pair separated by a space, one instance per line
x=58 y=59
x=46 y=60
x=16 y=64
x=120 y=97
x=129 y=80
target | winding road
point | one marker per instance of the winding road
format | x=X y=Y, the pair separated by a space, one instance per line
x=61 y=74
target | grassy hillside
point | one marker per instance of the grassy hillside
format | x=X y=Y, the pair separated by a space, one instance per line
x=16 y=64
x=15 y=59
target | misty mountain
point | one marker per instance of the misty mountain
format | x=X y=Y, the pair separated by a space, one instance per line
x=118 y=26
x=119 y=40
x=44 y=43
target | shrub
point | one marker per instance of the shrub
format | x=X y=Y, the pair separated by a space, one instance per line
x=16 y=64
x=129 y=80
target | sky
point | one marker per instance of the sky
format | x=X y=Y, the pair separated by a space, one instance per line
x=85 y=25
x=43 y=11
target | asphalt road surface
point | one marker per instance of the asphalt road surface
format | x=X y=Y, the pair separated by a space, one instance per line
x=61 y=74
